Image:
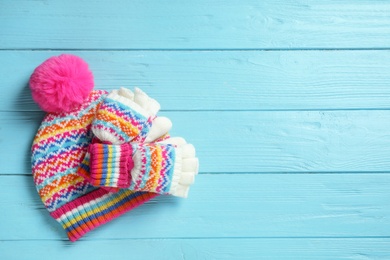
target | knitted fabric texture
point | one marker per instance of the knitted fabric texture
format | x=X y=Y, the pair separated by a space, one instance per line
x=110 y=165
x=156 y=167
x=57 y=152
x=119 y=119
x=163 y=168
x=153 y=168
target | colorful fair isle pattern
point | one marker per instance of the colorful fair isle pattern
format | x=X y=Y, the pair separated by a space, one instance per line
x=154 y=167
x=119 y=118
x=145 y=167
x=57 y=151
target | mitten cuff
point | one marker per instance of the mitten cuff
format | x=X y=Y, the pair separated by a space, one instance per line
x=110 y=165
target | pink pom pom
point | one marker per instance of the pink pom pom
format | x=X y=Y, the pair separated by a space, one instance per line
x=61 y=83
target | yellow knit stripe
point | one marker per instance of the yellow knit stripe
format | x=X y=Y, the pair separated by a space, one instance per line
x=125 y=125
x=63 y=130
x=60 y=187
x=157 y=168
x=99 y=209
x=109 y=165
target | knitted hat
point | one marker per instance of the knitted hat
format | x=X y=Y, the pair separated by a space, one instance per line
x=62 y=87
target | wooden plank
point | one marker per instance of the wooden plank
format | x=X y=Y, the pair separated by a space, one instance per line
x=344 y=248
x=198 y=80
x=234 y=24
x=249 y=141
x=225 y=206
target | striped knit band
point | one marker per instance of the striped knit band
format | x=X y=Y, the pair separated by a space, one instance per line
x=97 y=208
x=110 y=165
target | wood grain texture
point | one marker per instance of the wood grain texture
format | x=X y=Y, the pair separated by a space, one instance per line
x=286 y=101
x=198 y=80
x=234 y=24
x=225 y=206
x=249 y=141
x=308 y=248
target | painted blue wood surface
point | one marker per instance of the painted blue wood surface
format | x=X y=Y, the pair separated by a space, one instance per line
x=264 y=206
x=287 y=103
x=194 y=24
x=224 y=80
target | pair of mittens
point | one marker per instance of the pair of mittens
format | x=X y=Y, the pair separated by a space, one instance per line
x=135 y=150
x=161 y=167
x=125 y=116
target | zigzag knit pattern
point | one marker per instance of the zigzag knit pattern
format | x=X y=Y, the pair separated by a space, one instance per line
x=58 y=148
x=153 y=167
x=121 y=120
x=57 y=151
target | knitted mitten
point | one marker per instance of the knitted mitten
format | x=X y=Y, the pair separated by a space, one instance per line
x=164 y=168
x=124 y=116
x=161 y=167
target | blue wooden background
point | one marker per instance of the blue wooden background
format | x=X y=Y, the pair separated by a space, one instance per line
x=287 y=102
